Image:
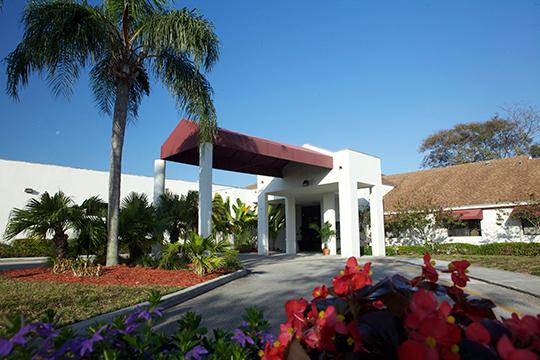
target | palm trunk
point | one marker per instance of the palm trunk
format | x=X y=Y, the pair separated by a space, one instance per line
x=60 y=241
x=117 y=142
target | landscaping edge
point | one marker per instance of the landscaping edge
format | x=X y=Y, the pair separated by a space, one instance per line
x=167 y=301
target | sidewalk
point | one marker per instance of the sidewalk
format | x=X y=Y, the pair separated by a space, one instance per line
x=524 y=283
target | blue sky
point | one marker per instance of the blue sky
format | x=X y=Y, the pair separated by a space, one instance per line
x=375 y=76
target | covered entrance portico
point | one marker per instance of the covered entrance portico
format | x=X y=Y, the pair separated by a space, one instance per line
x=288 y=173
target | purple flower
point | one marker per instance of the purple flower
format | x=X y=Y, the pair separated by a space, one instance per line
x=244 y=324
x=145 y=315
x=46 y=330
x=19 y=337
x=196 y=353
x=241 y=338
x=5 y=347
x=265 y=337
x=157 y=312
x=87 y=345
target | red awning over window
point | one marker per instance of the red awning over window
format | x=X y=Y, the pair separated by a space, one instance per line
x=469 y=214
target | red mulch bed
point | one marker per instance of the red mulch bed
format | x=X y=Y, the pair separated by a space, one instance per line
x=115 y=275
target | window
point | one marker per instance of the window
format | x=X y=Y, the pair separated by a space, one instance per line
x=529 y=228
x=469 y=228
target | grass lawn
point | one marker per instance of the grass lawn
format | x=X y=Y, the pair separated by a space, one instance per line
x=71 y=302
x=522 y=264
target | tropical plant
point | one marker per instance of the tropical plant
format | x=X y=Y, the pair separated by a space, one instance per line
x=325 y=232
x=91 y=226
x=276 y=222
x=136 y=225
x=243 y=224
x=177 y=215
x=221 y=216
x=122 y=41
x=205 y=254
x=173 y=257
x=47 y=216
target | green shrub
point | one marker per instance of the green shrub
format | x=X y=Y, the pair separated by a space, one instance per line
x=231 y=261
x=171 y=258
x=500 y=249
x=26 y=248
x=513 y=249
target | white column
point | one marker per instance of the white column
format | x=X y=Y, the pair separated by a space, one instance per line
x=205 y=189
x=290 y=225
x=262 y=224
x=329 y=214
x=159 y=189
x=348 y=217
x=377 y=221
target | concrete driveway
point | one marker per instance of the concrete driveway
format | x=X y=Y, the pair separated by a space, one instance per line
x=275 y=279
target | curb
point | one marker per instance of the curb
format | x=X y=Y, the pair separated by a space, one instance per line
x=37 y=259
x=480 y=279
x=167 y=301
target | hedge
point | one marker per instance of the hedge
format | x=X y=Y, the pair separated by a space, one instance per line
x=510 y=249
x=26 y=248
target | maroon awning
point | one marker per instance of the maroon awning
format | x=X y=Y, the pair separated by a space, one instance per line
x=239 y=152
x=469 y=214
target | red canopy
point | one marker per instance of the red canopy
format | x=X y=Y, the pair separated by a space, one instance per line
x=239 y=152
x=469 y=214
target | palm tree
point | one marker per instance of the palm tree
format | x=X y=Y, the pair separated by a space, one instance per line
x=48 y=215
x=91 y=226
x=123 y=41
x=136 y=224
x=221 y=216
x=177 y=215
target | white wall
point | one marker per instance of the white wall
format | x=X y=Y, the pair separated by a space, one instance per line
x=496 y=226
x=79 y=184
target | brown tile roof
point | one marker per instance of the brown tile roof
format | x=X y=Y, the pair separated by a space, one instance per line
x=487 y=182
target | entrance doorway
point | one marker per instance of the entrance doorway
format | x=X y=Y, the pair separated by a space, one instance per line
x=310 y=240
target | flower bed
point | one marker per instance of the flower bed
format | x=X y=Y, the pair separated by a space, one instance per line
x=395 y=318
x=115 y=275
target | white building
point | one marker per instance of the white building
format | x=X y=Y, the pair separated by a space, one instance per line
x=20 y=181
x=482 y=194
x=315 y=185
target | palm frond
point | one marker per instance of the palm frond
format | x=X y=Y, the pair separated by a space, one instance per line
x=104 y=88
x=60 y=37
x=191 y=90
x=181 y=32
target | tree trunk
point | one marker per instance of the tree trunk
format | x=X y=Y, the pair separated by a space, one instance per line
x=60 y=241
x=117 y=142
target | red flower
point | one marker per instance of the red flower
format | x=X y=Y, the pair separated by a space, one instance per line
x=354 y=336
x=320 y=292
x=428 y=271
x=477 y=332
x=295 y=313
x=526 y=329
x=423 y=305
x=507 y=351
x=459 y=272
x=352 y=278
x=273 y=351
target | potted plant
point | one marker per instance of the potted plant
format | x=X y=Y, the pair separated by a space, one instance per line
x=325 y=232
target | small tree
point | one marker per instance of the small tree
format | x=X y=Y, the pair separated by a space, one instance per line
x=177 y=215
x=221 y=216
x=419 y=222
x=136 y=225
x=244 y=223
x=91 y=226
x=276 y=221
x=325 y=232
x=530 y=214
x=48 y=215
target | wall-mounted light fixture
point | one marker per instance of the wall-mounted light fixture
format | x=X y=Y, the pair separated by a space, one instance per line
x=305 y=183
